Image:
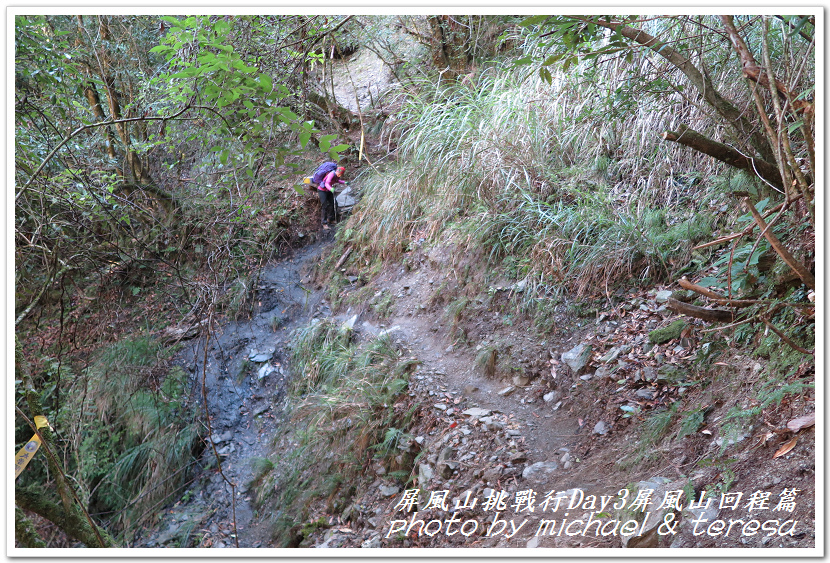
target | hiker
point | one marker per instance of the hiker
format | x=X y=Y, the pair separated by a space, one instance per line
x=325 y=190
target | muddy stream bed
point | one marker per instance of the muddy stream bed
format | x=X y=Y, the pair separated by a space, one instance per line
x=244 y=373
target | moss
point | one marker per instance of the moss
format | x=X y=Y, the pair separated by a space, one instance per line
x=662 y=335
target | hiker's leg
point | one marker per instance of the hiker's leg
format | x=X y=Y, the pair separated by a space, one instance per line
x=330 y=207
x=323 y=210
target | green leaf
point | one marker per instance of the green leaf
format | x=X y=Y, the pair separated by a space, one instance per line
x=299 y=190
x=265 y=82
x=339 y=148
x=172 y=20
x=533 y=20
x=795 y=126
x=223 y=158
x=799 y=25
x=710 y=282
x=325 y=142
x=304 y=137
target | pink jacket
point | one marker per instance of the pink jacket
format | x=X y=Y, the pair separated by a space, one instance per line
x=331 y=178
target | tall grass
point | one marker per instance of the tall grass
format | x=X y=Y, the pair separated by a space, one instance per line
x=136 y=435
x=516 y=166
x=345 y=412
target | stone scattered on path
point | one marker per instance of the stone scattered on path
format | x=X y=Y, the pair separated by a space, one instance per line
x=259 y=357
x=476 y=412
x=577 y=357
x=540 y=471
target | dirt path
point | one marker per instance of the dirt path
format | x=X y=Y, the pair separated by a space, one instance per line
x=476 y=432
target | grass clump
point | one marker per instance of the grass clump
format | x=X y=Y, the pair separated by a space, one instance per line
x=346 y=410
x=137 y=435
x=509 y=171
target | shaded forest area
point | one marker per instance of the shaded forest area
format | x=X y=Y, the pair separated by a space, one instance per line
x=572 y=159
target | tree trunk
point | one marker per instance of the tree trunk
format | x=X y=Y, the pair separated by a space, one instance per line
x=137 y=170
x=742 y=126
x=25 y=532
x=725 y=153
x=450 y=46
x=70 y=521
x=68 y=514
x=92 y=97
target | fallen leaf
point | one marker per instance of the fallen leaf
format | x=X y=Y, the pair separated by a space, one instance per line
x=788 y=445
x=806 y=421
x=581 y=423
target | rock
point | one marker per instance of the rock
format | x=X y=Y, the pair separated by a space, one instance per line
x=665 y=334
x=602 y=371
x=425 y=473
x=258 y=357
x=491 y=475
x=586 y=377
x=577 y=357
x=265 y=370
x=171 y=533
x=648 y=536
x=371 y=543
x=389 y=490
x=440 y=406
x=540 y=471
x=709 y=513
x=550 y=397
x=352 y=279
x=601 y=428
x=663 y=296
x=445 y=465
x=611 y=355
x=476 y=412
x=349 y=325
x=649 y=373
x=226 y=437
x=520 y=380
x=470 y=389
x=646 y=394
x=731 y=441
x=389 y=331
x=533 y=542
x=507 y=391
x=419 y=440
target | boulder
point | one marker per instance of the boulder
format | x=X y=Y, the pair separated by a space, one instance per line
x=577 y=357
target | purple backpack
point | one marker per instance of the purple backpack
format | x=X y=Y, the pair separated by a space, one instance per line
x=320 y=174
